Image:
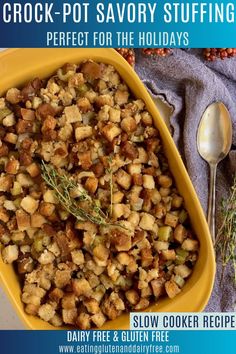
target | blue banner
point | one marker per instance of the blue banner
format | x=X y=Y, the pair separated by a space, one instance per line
x=100 y=342
x=123 y=23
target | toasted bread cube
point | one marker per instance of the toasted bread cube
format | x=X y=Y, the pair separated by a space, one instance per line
x=117 y=301
x=84 y=132
x=128 y=124
x=46 y=209
x=84 y=104
x=24 y=180
x=46 y=312
x=177 y=201
x=134 y=168
x=182 y=270
x=27 y=114
x=56 y=295
x=46 y=257
x=147 y=222
x=155 y=197
x=29 y=204
x=132 y=267
x=101 y=252
x=157 y=287
x=12 y=166
x=11 y=138
x=53 y=247
x=33 y=169
x=65 y=132
x=9 y=120
x=72 y=114
x=148 y=182
x=142 y=156
x=165 y=181
x=171 y=220
x=117 y=197
x=103 y=114
x=83 y=321
x=69 y=316
x=180 y=233
x=119 y=210
x=146 y=257
x=37 y=220
x=161 y=245
x=132 y=296
x=13 y=95
x=172 y=289
x=81 y=286
x=142 y=304
x=92 y=306
x=137 y=179
x=190 y=245
x=69 y=301
x=10 y=254
x=121 y=239
x=103 y=100
x=134 y=218
x=168 y=255
x=56 y=320
x=32 y=309
x=23 y=220
x=121 y=97
x=49 y=197
x=98 y=319
x=123 y=179
x=85 y=160
x=76 y=80
x=123 y=258
x=110 y=131
x=5 y=183
x=9 y=205
x=114 y=115
x=4 y=215
x=77 y=257
x=146 y=119
x=91 y=184
x=62 y=278
x=24 y=126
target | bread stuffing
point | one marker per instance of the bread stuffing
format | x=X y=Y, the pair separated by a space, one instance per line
x=90 y=216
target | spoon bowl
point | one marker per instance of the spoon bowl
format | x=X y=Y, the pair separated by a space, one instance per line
x=214 y=139
x=214 y=136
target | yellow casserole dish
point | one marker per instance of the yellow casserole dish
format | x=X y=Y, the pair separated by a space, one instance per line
x=17 y=66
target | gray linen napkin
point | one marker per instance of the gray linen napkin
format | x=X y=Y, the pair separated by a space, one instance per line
x=189 y=84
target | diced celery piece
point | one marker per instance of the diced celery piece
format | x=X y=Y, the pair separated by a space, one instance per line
x=183 y=215
x=182 y=253
x=164 y=233
x=83 y=88
x=4 y=112
x=17 y=202
x=179 y=281
x=181 y=256
x=179 y=259
x=38 y=244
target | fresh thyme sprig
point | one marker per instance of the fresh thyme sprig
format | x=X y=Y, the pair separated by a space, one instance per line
x=64 y=187
x=110 y=172
x=226 y=237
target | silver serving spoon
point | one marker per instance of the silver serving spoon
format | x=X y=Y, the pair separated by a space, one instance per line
x=214 y=139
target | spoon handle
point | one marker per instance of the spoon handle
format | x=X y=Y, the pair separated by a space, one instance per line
x=212 y=201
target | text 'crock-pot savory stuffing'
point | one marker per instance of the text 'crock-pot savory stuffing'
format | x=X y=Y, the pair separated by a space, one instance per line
x=89 y=213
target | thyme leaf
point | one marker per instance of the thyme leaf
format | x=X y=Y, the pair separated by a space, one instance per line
x=226 y=237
